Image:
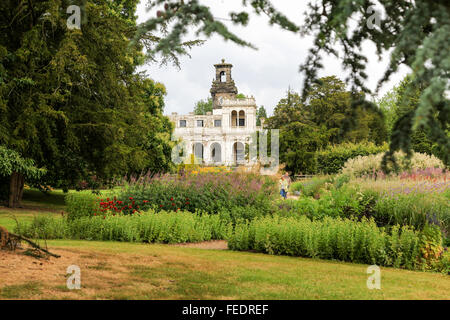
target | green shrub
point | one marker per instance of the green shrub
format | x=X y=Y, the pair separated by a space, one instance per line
x=44 y=227
x=81 y=204
x=341 y=180
x=346 y=202
x=332 y=159
x=340 y=239
x=311 y=187
x=163 y=227
x=86 y=203
x=246 y=213
x=431 y=249
x=414 y=209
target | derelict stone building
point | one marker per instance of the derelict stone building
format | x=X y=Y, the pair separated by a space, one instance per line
x=220 y=137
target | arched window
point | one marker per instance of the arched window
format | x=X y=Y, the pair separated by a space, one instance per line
x=238 y=152
x=241 y=118
x=198 y=151
x=223 y=76
x=216 y=152
x=234 y=119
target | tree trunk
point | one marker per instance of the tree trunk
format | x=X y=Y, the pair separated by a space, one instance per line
x=15 y=189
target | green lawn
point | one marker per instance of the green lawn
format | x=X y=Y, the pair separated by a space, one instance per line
x=35 y=203
x=53 y=200
x=113 y=270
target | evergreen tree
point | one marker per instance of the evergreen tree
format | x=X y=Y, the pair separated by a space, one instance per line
x=260 y=113
x=71 y=100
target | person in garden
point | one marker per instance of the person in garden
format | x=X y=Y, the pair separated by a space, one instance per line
x=284 y=185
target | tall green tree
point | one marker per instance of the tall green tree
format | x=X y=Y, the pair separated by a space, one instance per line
x=71 y=100
x=398 y=105
x=299 y=136
x=330 y=104
x=260 y=113
x=203 y=106
x=309 y=125
x=416 y=32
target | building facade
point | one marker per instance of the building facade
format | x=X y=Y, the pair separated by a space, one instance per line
x=220 y=137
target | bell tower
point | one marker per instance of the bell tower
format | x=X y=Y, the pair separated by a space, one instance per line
x=223 y=86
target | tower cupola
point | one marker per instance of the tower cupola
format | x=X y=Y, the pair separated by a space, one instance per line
x=223 y=86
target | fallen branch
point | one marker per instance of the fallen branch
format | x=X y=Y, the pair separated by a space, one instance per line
x=34 y=245
x=8 y=239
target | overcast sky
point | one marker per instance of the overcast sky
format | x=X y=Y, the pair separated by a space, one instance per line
x=265 y=73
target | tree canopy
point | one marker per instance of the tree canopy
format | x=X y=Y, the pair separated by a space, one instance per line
x=307 y=126
x=260 y=113
x=203 y=106
x=398 y=104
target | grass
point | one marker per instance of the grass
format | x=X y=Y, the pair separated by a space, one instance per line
x=26 y=290
x=53 y=200
x=34 y=203
x=112 y=270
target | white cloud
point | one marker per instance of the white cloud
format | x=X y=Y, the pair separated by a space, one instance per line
x=265 y=73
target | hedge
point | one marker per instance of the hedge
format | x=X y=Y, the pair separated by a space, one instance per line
x=332 y=159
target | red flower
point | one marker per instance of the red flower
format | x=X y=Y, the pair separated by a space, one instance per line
x=173 y=203
x=160 y=205
x=171 y=199
x=131 y=198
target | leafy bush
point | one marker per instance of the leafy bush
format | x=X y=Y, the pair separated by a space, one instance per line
x=340 y=239
x=341 y=180
x=310 y=187
x=163 y=227
x=332 y=159
x=81 y=204
x=371 y=165
x=413 y=209
x=431 y=247
x=346 y=202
